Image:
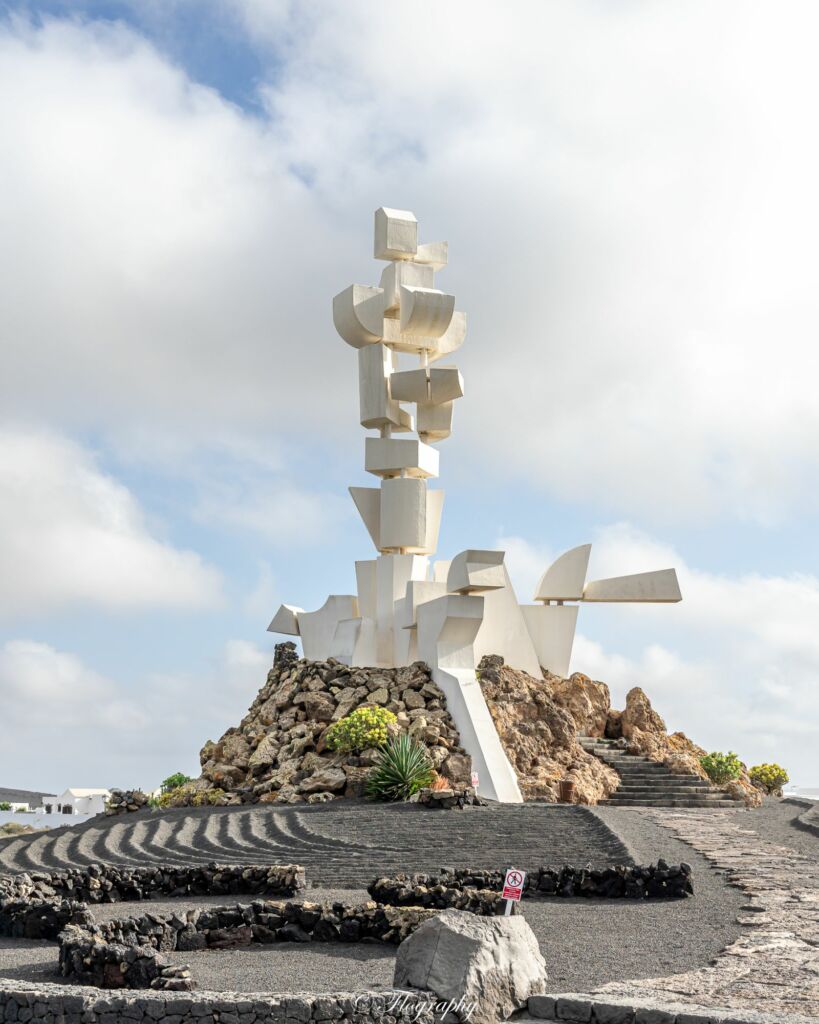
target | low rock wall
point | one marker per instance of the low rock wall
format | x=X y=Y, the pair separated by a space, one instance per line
x=616 y=882
x=127 y=952
x=22 y=1003
x=40 y=905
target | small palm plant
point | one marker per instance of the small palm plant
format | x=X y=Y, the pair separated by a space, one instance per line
x=403 y=768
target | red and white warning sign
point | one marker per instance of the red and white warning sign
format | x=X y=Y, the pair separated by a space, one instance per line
x=513 y=884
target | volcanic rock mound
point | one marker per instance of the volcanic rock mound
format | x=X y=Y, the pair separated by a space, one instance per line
x=278 y=753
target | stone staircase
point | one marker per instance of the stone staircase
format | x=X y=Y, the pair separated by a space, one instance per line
x=648 y=783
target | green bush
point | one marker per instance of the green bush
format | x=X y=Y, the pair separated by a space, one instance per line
x=365 y=727
x=175 y=781
x=403 y=768
x=721 y=768
x=184 y=796
x=768 y=777
x=5 y=806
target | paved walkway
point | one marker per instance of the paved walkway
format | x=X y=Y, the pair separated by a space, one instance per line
x=773 y=966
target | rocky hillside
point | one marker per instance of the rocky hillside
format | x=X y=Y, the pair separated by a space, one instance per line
x=538 y=723
x=638 y=725
x=278 y=752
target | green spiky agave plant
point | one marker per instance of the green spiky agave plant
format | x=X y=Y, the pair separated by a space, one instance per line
x=403 y=768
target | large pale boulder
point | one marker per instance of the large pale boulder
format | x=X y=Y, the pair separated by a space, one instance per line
x=639 y=716
x=490 y=964
x=587 y=701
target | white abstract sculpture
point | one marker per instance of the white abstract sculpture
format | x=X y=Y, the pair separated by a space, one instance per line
x=449 y=614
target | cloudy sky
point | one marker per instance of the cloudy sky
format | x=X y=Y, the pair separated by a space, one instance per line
x=629 y=194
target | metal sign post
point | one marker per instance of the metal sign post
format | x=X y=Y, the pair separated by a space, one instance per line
x=513 y=888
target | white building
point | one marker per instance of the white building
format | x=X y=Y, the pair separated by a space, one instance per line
x=82 y=801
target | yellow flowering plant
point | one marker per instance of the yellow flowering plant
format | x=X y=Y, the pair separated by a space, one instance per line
x=768 y=777
x=365 y=727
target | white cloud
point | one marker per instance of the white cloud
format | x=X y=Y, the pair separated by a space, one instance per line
x=263 y=597
x=631 y=206
x=96 y=731
x=631 y=224
x=279 y=510
x=734 y=665
x=70 y=534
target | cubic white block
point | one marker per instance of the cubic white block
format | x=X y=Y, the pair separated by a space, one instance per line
x=358 y=314
x=403 y=514
x=434 y=422
x=552 y=628
x=345 y=640
x=504 y=630
x=565 y=577
x=365 y=651
x=428 y=386
x=425 y=312
x=393 y=574
x=408 y=343
x=445 y=384
x=317 y=629
x=286 y=620
x=406 y=635
x=440 y=570
x=377 y=408
x=436 y=254
x=396 y=234
x=387 y=456
x=435 y=507
x=366 y=587
x=474 y=571
x=410 y=385
x=654 y=587
x=368 y=502
x=403 y=272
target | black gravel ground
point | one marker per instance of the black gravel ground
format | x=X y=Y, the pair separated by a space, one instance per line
x=585 y=942
x=776 y=821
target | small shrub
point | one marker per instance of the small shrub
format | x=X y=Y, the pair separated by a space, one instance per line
x=365 y=727
x=768 y=777
x=403 y=768
x=440 y=782
x=14 y=828
x=183 y=796
x=5 y=806
x=175 y=781
x=721 y=768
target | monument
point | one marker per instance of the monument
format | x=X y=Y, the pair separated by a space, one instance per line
x=447 y=613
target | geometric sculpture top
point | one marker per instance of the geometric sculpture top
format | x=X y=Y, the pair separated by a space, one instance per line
x=405 y=315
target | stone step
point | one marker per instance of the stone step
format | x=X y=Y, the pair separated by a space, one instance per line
x=666 y=792
x=646 y=783
x=691 y=781
x=672 y=802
